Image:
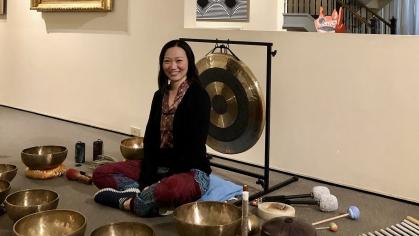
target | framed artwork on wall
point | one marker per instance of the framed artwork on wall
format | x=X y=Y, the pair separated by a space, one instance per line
x=2 y=7
x=222 y=10
x=71 y=5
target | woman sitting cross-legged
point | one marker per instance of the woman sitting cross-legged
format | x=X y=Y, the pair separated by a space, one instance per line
x=175 y=169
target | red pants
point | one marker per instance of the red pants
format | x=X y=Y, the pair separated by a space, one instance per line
x=174 y=190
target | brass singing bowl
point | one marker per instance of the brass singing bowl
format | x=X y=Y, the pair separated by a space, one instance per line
x=25 y=202
x=132 y=148
x=4 y=190
x=207 y=219
x=253 y=224
x=123 y=229
x=51 y=223
x=7 y=172
x=44 y=157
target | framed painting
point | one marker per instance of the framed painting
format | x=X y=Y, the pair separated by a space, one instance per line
x=71 y=5
x=1 y=7
x=222 y=10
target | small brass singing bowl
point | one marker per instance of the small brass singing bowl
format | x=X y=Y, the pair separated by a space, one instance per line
x=53 y=222
x=25 y=202
x=7 y=172
x=44 y=157
x=207 y=219
x=4 y=190
x=132 y=148
x=123 y=229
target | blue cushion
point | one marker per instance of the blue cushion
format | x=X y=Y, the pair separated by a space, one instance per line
x=221 y=190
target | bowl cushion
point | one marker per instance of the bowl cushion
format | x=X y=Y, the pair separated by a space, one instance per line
x=45 y=174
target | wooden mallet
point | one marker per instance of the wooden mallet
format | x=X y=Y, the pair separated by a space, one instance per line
x=80 y=176
x=333 y=227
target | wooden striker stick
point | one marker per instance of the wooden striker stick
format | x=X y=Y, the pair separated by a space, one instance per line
x=330 y=219
x=413 y=220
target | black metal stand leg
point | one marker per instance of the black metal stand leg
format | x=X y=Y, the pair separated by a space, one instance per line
x=273 y=188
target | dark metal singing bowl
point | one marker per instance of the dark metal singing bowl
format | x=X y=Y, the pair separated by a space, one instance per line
x=287 y=226
x=132 y=148
x=25 y=202
x=44 y=157
x=51 y=223
x=123 y=229
x=7 y=172
x=4 y=190
x=207 y=219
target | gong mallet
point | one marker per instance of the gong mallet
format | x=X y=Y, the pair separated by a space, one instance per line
x=316 y=193
x=352 y=212
x=333 y=227
x=326 y=202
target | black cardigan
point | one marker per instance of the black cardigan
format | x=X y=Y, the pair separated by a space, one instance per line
x=190 y=130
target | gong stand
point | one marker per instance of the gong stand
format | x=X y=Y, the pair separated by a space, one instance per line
x=263 y=180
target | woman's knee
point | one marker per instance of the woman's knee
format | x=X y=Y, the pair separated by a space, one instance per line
x=177 y=189
x=101 y=176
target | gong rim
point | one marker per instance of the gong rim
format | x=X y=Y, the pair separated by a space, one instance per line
x=237 y=115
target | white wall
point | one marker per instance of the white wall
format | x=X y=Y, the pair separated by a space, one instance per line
x=86 y=67
x=344 y=107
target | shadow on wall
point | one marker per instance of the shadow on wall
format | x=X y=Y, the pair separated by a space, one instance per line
x=115 y=21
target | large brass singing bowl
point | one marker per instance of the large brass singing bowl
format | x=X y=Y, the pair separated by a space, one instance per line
x=7 y=172
x=51 y=223
x=207 y=219
x=123 y=229
x=132 y=148
x=4 y=190
x=44 y=157
x=25 y=202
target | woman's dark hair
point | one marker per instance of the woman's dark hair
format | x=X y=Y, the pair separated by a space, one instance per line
x=191 y=74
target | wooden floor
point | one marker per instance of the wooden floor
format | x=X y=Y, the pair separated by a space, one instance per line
x=21 y=130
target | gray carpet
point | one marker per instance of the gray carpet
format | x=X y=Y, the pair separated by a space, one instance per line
x=20 y=130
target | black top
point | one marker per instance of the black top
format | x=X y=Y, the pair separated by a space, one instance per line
x=190 y=131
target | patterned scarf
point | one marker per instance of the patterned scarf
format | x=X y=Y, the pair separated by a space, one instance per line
x=167 y=115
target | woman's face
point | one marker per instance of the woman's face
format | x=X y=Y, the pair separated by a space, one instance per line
x=175 y=64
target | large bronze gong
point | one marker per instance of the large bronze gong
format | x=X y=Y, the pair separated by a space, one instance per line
x=237 y=109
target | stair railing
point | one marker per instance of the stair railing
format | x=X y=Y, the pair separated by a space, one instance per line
x=358 y=17
x=311 y=7
x=372 y=22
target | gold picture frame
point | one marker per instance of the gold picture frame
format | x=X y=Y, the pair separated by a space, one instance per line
x=1 y=7
x=71 y=5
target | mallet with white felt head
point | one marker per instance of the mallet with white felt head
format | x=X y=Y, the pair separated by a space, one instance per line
x=316 y=193
x=326 y=202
